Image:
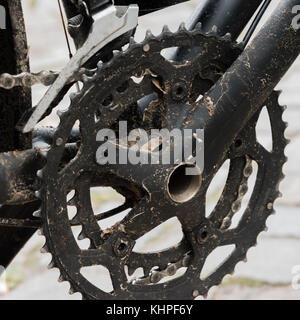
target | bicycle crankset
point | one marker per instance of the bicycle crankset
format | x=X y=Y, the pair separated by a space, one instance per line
x=155 y=193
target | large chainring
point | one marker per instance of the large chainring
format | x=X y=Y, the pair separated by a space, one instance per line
x=113 y=94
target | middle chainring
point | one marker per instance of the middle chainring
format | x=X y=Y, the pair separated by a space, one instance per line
x=114 y=93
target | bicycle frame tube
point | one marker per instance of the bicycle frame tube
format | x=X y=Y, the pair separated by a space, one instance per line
x=229 y=105
x=227 y=15
x=145 y=6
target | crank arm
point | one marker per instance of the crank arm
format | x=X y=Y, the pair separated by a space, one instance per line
x=108 y=25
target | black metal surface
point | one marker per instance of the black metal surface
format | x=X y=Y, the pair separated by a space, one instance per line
x=13 y=59
x=147 y=6
x=70 y=9
x=13 y=239
x=233 y=104
x=96 y=5
x=226 y=16
x=256 y=21
x=18 y=176
x=145 y=185
x=229 y=16
x=235 y=98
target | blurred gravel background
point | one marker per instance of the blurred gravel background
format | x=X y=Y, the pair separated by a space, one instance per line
x=268 y=272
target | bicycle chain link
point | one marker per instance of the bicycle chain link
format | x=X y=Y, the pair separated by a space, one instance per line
x=29 y=79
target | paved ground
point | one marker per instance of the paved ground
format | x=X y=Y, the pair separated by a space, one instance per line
x=268 y=274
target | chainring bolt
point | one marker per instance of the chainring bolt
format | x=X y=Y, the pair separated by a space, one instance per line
x=59 y=141
x=203 y=234
x=121 y=247
x=146 y=47
x=178 y=91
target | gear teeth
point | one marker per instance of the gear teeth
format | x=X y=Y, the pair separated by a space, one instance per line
x=59 y=113
x=44 y=249
x=72 y=291
x=131 y=41
x=214 y=29
x=38 y=194
x=72 y=202
x=81 y=236
x=99 y=65
x=227 y=37
x=149 y=35
x=182 y=27
x=165 y=29
x=75 y=220
x=40 y=174
x=61 y=278
x=282 y=176
x=198 y=26
x=278 y=93
x=131 y=270
x=37 y=214
x=51 y=265
x=116 y=53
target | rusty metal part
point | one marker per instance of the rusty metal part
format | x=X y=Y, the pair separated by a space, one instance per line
x=19 y=170
x=27 y=79
x=18 y=176
x=112 y=89
x=14 y=58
